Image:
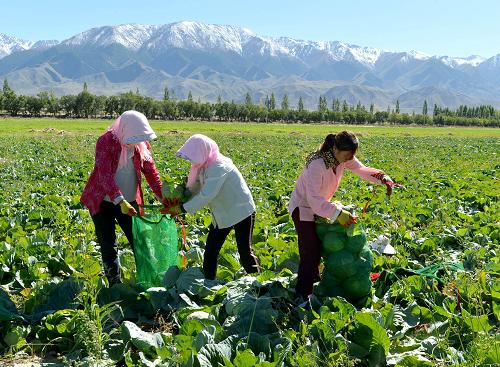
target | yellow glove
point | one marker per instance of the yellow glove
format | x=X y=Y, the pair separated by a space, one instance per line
x=345 y=218
x=127 y=209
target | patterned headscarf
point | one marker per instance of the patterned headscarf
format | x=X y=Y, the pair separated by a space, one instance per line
x=328 y=158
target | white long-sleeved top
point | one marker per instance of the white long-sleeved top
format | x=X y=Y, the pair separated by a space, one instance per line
x=224 y=190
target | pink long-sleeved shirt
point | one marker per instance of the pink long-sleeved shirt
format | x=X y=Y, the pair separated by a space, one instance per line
x=102 y=179
x=317 y=184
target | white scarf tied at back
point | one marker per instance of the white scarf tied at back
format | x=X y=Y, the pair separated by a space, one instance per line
x=132 y=128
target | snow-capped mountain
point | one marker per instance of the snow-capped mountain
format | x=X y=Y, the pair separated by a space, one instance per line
x=185 y=35
x=230 y=60
x=454 y=62
x=130 y=36
x=44 y=44
x=337 y=51
x=209 y=37
x=9 y=45
x=199 y=36
x=492 y=62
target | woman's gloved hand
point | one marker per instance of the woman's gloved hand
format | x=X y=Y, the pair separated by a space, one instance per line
x=172 y=207
x=388 y=182
x=127 y=209
x=346 y=219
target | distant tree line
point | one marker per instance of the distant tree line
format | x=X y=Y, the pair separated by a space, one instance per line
x=88 y=105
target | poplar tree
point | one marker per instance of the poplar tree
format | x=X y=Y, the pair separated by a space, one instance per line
x=284 y=103
x=300 y=106
x=272 y=102
x=322 y=106
x=248 y=99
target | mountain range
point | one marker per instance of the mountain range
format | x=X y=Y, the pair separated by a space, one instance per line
x=211 y=60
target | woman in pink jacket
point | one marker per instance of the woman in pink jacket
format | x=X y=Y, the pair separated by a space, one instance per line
x=113 y=191
x=311 y=197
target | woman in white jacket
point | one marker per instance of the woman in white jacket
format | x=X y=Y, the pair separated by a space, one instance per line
x=215 y=181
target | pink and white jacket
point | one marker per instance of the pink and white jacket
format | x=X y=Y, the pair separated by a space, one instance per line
x=102 y=179
x=317 y=184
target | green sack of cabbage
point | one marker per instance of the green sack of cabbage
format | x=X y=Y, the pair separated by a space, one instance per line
x=335 y=238
x=323 y=227
x=347 y=262
x=347 y=275
x=355 y=288
x=171 y=190
x=343 y=264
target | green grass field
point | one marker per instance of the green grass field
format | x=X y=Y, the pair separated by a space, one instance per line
x=21 y=125
x=54 y=301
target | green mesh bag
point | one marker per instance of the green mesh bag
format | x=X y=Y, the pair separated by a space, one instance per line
x=155 y=247
x=348 y=261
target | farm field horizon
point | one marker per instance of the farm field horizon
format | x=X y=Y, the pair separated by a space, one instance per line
x=11 y=125
x=54 y=302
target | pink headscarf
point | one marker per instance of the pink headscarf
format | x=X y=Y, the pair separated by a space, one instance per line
x=132 y=127
x=201 y=151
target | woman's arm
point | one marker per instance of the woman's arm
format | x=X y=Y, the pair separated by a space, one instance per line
x=209 y=190
x=105 y=153
x=366 y=173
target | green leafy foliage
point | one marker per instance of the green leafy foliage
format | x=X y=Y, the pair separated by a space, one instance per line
x=369 y=339
x=174 y=191
x=426 y=312
x=8 y=311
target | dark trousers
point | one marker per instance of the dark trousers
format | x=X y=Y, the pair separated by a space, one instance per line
x=104 y=221
x=309 y=253
x=216 y=237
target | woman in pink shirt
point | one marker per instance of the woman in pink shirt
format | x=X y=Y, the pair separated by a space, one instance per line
x=311 y=197
x=113 y=191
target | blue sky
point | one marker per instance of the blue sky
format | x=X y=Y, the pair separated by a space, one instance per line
x=436 y=27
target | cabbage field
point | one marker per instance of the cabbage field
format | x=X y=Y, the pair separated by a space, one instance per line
x=436 y=302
